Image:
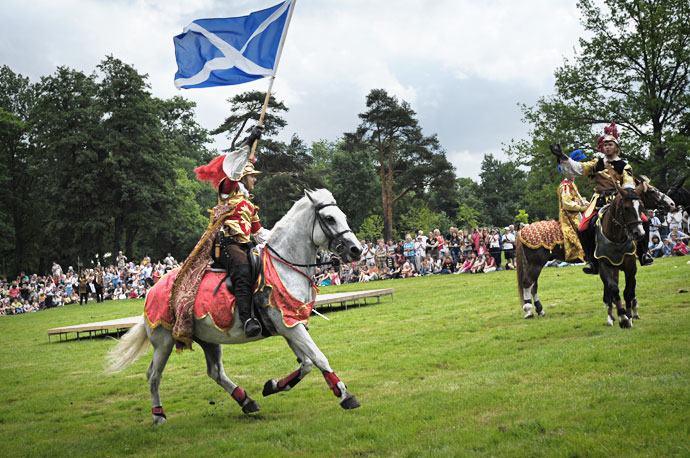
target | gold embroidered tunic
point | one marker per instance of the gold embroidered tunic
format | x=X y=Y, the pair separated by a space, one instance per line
x=570 y=205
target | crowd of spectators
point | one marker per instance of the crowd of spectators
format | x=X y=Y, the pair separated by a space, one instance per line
x=123 y=280
x=480 y=250
x=666 y=238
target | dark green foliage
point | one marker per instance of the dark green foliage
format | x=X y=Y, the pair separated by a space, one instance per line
x=500 y=190
x=633 y=68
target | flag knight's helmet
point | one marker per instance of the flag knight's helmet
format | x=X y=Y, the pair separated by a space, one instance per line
x=610 y=135
x=218 y=169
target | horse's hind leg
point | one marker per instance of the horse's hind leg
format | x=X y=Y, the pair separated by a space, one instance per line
x=305 y=348
x=530 y=288
x=287 y=383
x=215 y=370
x=162 y=342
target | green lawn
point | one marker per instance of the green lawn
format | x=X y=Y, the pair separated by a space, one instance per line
x=446 y=368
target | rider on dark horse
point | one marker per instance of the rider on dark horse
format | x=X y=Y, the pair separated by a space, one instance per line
x=604 y=191
x=232 y=223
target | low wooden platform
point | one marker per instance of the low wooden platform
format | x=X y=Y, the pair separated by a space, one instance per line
x=118 y=326
x=121 y=325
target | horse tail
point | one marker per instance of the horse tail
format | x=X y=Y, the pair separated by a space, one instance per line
x=520 y=266
x=132 y=346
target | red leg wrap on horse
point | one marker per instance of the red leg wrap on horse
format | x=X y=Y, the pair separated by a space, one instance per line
x=159 y=411
x=291 y=380
x=239 y=395
x=332 y=381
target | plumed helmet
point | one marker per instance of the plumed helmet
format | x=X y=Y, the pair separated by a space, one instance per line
x=249 y=169
x=610 y=135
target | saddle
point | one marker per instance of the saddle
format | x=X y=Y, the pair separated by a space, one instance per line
x=255 y=267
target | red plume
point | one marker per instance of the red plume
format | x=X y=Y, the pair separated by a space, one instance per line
x=213 y=171
x=611 y=130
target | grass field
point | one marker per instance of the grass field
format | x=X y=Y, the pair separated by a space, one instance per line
x=446 y=368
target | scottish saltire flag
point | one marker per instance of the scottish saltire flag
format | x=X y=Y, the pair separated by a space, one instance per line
x=224 y=51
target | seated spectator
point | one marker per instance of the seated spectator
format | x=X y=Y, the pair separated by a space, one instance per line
x=482 y=250
x=467 y=265
x=407 y=270
x=426 y=268
x=679 y=248
x=656 y=247
x=397 y=271
x=490 y=264
x=668 y=248
x=478 y=266
x=447 y=266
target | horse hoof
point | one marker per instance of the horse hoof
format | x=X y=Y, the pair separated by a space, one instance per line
x=542 y=313
x=626 y=323
x=350 y=403
x=637 y=317
x=529 y=315
x=250 y=407
x=270 y=387
x=609 y=323
x=158 y=420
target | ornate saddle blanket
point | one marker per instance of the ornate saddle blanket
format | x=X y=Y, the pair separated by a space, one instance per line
x=546 y=234
x=221 y=306
x=613 y=252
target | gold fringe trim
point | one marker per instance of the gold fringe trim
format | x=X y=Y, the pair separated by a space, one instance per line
x=540 y=245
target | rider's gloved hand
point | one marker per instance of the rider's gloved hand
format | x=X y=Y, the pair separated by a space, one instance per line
x=558 y=152
x=255 y=134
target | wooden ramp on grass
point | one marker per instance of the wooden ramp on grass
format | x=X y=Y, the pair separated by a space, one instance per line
x=96 y=329
x=123 y=324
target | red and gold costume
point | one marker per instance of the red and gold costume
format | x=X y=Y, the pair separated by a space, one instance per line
x=234 y=214
x=570 y=205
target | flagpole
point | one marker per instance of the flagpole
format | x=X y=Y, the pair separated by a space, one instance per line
x=273 y=76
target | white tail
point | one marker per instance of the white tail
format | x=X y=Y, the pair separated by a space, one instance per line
x=131 y=347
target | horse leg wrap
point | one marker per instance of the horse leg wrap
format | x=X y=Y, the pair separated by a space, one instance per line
x=159 y=411
x=239 y=395
x=332 y=381
x=539 y=308
x=291 y=380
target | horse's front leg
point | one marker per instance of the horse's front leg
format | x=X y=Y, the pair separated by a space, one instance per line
x=609 y=276
x=287 y=383
x=305 y=348
x=215 y=370
x=629 y=291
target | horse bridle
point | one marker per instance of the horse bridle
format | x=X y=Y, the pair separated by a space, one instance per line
x=330 y=235
x=619 y=214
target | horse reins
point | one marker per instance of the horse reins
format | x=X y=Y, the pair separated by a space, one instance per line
x=327 y=232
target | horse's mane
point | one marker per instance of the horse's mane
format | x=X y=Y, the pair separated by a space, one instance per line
x=320 y=196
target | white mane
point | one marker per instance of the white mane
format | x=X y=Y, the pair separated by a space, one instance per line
x=293 y=216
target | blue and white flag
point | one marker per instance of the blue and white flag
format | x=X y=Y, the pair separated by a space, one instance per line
x=236 y=50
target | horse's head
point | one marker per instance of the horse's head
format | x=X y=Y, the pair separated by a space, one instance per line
x=627 y=212
x=332 y=230
x=651 y=197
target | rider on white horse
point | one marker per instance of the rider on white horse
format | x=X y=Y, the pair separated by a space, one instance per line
x=233 y=221
x=604 y=190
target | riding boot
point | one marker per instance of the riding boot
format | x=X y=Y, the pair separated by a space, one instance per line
x=587 y=241
x=643 y=253
x=242 y=284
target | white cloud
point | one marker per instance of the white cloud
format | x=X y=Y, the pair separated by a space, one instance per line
x=335 y=53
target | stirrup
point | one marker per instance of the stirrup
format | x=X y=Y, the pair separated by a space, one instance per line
x=252 y=327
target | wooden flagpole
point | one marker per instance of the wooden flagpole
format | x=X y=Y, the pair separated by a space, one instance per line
x=273 y=76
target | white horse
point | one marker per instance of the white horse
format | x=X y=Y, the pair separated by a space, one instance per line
x=314 y=221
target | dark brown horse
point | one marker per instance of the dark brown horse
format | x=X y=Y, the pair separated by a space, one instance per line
x=529 y=262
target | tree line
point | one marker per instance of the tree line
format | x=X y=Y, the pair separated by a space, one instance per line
x=92 y=164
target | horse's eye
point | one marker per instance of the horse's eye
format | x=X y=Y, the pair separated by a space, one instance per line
x=330 y=219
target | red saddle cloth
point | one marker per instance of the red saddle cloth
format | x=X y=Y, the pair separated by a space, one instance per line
x=221 y=307
x=546 y=234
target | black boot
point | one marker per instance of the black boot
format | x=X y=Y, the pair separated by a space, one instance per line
x=643 y=254
x=242 y=284
x=587 y=241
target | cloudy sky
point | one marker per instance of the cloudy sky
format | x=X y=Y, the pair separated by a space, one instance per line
x=463 y=65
